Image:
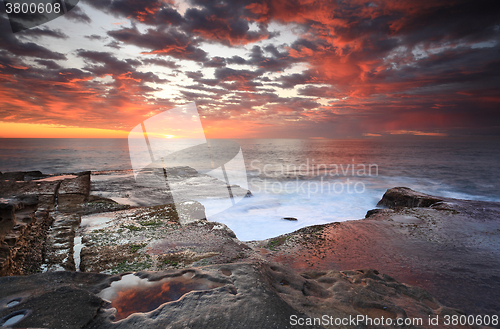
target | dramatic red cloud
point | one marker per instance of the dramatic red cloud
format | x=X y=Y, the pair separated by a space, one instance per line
x=367 y=68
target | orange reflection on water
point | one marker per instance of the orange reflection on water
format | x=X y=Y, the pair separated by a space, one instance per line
x=135 y=295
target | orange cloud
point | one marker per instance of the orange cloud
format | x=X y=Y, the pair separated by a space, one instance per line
x=417 y=133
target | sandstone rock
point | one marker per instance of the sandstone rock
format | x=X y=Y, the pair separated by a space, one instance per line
x=98 y=204
x=13 y=176
x=244 y=295
x=78 y=185
x=159 y=239
x=51 y=300
x=450 y=249
x=59 y=243
x=190 y=211
x=431 y=246
x=31 y=175
x=21 y=175
x=7 y=217
x=19 y=235
x=405 y=197
x=27 y=210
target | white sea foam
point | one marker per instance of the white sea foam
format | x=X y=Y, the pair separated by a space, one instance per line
x=261 y=216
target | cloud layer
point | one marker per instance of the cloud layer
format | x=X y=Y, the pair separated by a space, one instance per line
x=296 y=68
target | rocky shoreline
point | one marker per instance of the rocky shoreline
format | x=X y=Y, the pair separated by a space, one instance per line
x=408 y=259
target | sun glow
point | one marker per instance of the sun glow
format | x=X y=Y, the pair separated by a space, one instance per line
x=30 y=130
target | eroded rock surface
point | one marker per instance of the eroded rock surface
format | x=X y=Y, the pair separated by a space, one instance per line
x=451 y=248
x=20 y=237
x=244 y=295
x=38 y=220
x=406 y=197
x=155 y=238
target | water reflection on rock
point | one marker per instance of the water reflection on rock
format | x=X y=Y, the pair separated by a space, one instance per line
x=135 y=295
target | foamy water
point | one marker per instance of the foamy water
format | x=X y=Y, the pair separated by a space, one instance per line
x=291 y=178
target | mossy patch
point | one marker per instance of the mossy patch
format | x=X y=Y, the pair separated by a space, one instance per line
x=171 y=262
x=276 y=242
x=127 y=266
x=135 y=247
x=150 y=223
x=133 y=227
x=157 y=214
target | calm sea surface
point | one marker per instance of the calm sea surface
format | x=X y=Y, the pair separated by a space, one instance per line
x=315 y=181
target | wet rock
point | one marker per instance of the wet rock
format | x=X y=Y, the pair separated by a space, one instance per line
x=30 y=201
x=31 y=175
x=52 y=300
x=20 y=232
x=78 y=185
x=450 y=249
x=372 y=212
x=72 y=193
x=7 y=217
x=158 y=241
x=244 y=295
x=430 y=246
x=186 y=184
x=113 y=259
x=190 y=211
x=290 y=218
x=406 y=197
x=59 y=243
x=182 y=171
x=98 y=204
x=13 y=176
x=21 y=175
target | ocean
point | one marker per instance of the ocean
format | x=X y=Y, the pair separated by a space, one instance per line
x=315 y=181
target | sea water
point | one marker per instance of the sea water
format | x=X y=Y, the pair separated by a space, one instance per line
x=313 y=181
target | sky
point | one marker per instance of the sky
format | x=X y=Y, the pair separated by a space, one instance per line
x=256 y=68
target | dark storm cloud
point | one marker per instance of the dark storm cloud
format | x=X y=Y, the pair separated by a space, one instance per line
x=95 y=37
x=218 y=21
x=452 y=20
x=161 y=62
x=77 y=15
x=43 y=32
x=232 y=79
x=228 y=74
x=215 y=62
x=277 y=61
x=318 y=91
x=13 y=46
x=236 y=60
x=104 y=63
x=169 y=16
x=223 y=22
x=291 y=80
x=145 y=11
x=107 y=58
x=162 y=42
x=49 y=64
x=113 y=44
